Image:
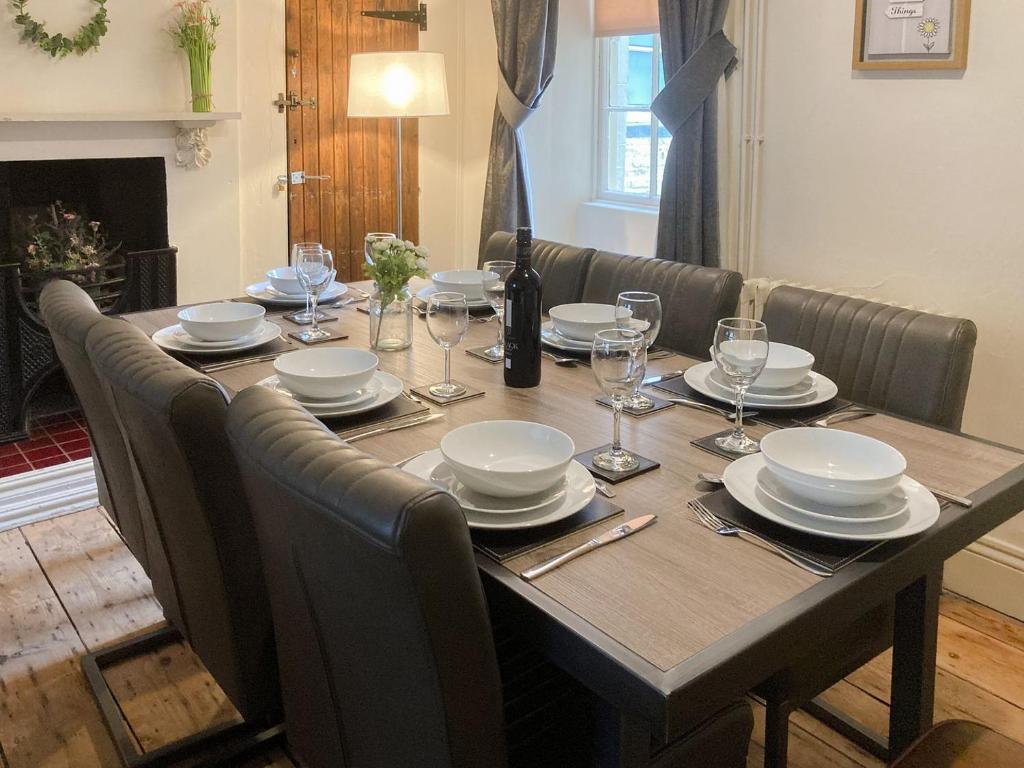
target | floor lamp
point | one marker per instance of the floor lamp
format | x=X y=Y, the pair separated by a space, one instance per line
x=397 y=84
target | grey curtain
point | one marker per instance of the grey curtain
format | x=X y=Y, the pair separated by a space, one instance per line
x=527 y=34
x=696 y=53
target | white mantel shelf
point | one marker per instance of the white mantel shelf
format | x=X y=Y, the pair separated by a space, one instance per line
x=191 y=140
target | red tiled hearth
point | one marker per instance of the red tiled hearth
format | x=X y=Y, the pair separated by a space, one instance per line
x=52 y=440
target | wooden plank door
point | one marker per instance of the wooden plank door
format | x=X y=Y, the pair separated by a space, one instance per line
x=358 y=155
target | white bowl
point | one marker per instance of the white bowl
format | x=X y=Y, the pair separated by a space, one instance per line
x=787 y=366
x=467 y=281
x=508 y=459
x=225 y=321
x=326 y=372
x=831 y=466
x=284 y=280
x=581 y=322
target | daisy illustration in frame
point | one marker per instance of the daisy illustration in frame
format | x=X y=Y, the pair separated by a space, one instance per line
x=928 y=29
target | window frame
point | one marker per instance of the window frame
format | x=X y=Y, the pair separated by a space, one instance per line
x=604 y=109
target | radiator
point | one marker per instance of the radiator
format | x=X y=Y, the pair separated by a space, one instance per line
x=755 y=294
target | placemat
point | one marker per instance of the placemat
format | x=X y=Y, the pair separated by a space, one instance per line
x=202 y=362
x=480 y=354
x=587 y=460
x=424 y=392
x=331 y=336
x=399 y=408
x=659 y=405
x=582 y=358
x=504 y=545
x=781 y=418
x=831 y=554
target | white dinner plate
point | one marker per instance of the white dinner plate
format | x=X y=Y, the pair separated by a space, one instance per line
x=697 y=377
x=390 y=387
x=891 y=506
x=579 y=490
x=474 y=501
x=425 y=293
x=359 y=396
x=740 y=479
x=717 y=381
x=553 y=338
x=265 y=293
x=183 y=337
x=170 y=338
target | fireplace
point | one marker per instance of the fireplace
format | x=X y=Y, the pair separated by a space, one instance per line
x=128 y=196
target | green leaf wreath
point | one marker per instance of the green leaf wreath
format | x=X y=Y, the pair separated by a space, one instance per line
x=59 y=45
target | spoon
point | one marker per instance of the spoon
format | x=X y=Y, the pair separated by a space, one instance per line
x=707 y=477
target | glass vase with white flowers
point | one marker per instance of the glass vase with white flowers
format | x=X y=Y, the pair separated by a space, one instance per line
x=392 y=265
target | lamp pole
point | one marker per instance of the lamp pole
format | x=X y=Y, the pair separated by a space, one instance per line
x=398 y=178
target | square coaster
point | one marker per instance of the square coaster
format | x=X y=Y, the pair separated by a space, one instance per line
x=586 y=459
x=424 y=392
x=480 y=354
x=708 y=444
x=329 y=337
x=659 y=405
x=322 y=317
x=504 y=545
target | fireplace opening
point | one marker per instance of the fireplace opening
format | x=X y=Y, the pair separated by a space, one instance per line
x=128 y=199
x=128 y=196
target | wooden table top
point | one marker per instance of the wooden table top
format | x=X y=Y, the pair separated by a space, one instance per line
x=661 y=599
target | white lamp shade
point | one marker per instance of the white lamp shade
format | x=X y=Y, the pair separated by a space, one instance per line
x=397 y=84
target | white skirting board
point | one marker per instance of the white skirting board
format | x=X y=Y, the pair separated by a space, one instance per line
x=45 y=493
x=991 y=572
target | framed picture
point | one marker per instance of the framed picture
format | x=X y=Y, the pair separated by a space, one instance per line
x=911 y=34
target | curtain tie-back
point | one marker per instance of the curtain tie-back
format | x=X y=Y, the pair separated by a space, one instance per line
x=512 y=108
x=693 y=82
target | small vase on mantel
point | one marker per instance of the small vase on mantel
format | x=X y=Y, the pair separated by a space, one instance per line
x=391 y=326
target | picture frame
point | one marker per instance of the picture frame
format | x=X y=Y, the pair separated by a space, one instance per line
x=911 y=34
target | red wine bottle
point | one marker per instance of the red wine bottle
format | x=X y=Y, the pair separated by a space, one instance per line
x=522 y=317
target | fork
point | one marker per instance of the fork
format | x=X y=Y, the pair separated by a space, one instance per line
x=846 y=414
x=710 y=520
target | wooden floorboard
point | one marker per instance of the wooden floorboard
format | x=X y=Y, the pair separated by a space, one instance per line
x=69 y=585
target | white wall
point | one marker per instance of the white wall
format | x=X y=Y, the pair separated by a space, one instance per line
x=211 y=211
x=905 y=186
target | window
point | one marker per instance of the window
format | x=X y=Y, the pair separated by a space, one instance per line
x=632 y=143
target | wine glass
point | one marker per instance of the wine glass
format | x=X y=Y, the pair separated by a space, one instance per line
x=741 y=352
x=618 y=359
x=370 y=239
x=304 y=316
x=495 y=274
x=447 y=322
x=641 y=311
x=315 y=271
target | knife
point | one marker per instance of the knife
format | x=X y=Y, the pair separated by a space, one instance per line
x=394 y=427
x=616 y=533
x=661 y=377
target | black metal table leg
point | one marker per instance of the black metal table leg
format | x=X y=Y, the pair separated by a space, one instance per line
x=913 y=661
x=776 y=733
x=621 y=739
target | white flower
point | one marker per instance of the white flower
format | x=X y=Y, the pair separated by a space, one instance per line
x=409 y=244
x=421 y=263
x=380 y=245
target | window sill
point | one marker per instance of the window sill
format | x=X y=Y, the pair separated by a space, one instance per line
x=615 y=205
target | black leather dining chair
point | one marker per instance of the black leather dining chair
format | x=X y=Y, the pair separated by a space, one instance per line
x=69 y=314
x=912 y=364
x=693 y=298
x=387 y=653
x=562 y=268
x=909 y=363
x=205 y=572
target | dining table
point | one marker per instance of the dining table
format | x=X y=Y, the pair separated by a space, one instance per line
x=672 y=624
